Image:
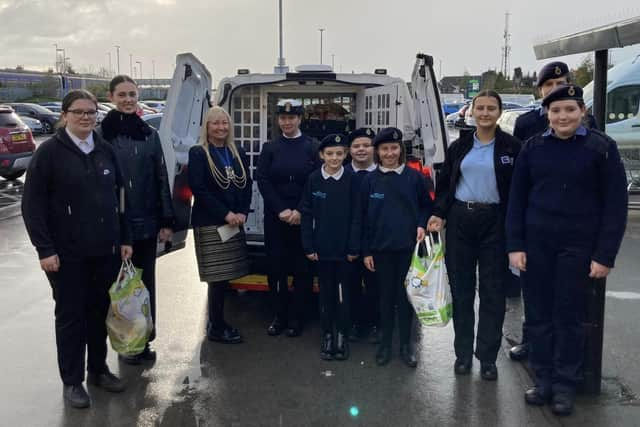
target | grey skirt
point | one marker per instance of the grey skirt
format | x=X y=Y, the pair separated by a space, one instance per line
x=217 y=260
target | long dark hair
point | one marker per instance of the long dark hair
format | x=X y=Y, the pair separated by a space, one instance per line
x=121 y=78
x=490 y=93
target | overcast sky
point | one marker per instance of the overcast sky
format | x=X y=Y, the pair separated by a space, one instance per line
x=231 y=34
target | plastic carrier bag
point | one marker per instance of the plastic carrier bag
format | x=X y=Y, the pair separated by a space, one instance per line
x=129 y=323
x=427 y=284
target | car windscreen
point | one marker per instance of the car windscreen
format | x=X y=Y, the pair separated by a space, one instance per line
x=9 y=120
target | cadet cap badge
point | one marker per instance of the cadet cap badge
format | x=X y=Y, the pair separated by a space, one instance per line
x=557 y=70
x=571 y=91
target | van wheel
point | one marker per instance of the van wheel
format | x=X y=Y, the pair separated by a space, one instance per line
x=46 y=127
x=14 y=175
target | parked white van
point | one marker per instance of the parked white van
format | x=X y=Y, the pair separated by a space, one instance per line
x=334 y=103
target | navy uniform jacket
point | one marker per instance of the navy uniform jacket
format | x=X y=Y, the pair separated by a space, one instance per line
x=535 y=122
x=327 y=214
x=575 y=188
x=211 y=203
x=74 y=203
x=283 y=169
x=392 y=207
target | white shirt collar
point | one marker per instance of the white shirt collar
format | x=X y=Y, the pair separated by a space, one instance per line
x=297 y=135
x=335 y=176
x=397 y=170
x=371 y=167
x=85 y=148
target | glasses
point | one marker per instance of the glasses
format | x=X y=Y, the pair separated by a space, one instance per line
x=80 y=113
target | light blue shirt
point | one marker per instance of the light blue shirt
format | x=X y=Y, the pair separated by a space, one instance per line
x=477 y=181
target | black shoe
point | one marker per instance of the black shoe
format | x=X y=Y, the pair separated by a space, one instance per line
x=354 y=333
x=538 y=396
x=374 y=335
x=276 y=327
x=76 y=395
x=228 y=335
x=106 y=381
x=326 y=348
x=383 y=355
x=341 y=351
x=488 y=371
x=519 y=352
x=562 y=403
x=295 y=329
x=462 y=367
x=148 y=354
x=408 y=356
x=136 y=359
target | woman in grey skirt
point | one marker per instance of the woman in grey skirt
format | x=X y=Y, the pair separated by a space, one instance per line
x=221 y=186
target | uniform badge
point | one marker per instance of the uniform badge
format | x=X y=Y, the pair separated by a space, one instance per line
x=287 y=107
x=506 y=160
x=368 y=132
x=106 y=172
x=395 y=135
x=571 y=91
x=338 y=139
x=557 y=70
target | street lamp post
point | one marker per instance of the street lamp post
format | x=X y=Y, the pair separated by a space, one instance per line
x=140 y=73
x=321 y=31
x=131 y=64
x=109 y=70
x=56 y=57
x=118 y=57
x=333 y=60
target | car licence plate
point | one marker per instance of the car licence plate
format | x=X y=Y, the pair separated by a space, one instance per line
x=18 y=137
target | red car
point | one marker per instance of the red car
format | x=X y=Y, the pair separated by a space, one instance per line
x=16 y=144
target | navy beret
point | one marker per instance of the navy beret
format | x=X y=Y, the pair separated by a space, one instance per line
x=333 y=140
x=361 y=133
x=387 y=135
x=563 y=92
x=552 y=70
x=290 y=106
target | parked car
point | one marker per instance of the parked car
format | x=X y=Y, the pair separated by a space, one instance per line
x=46 y=116
x=507 y=120
x=156 y=105
x=153 y=120
x=35 y=125
x=470 y=122
x=450 y=108
x=16 y=144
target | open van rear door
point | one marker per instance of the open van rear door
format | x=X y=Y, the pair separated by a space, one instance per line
x=431 y=134
x=388 y=105
x=187 y=103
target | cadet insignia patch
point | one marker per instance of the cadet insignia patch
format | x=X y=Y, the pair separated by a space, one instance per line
x=557 y=70
x=338 y=139
x=571 y=91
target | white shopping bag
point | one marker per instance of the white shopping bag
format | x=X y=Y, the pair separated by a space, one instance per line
x=427 y=284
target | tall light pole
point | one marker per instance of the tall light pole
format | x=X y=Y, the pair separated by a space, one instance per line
x=321 y=31
x=131 y=64
x=56 y=63
x=118 y=57
x=64 y=63
x=109 y=70
x=333 y=60
x=140 y=72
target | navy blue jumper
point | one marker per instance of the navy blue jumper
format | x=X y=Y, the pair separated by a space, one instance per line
x=535 y=122
x=393 y=206
x=568 y=206
x=327 y=230
x=283 y=168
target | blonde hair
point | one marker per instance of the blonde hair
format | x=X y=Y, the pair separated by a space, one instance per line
x=229 y=142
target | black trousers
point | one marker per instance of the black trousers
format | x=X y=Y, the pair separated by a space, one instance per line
x=364 y=297
x=215 y=297
x=391 y=271
x=283 y=245
x=334 y=295
x=81 y=293
x=554 y=285
x=475 y=238
x=144 y=257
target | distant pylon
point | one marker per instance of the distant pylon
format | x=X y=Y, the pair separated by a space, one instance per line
x=506 y=48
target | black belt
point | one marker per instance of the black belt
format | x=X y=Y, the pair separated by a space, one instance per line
x=476 y=205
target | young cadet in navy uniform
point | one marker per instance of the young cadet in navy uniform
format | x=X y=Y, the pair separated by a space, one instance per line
x=395 y=206
x=565 y=222
x=472 y=195
x=327 y=239
x=527 y=125
x=364 y=305
x=283 y=169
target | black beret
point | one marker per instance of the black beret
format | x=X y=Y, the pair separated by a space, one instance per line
x=387 y=135
x=563 y=92
x=290 y=106
x=361 y=133
x=333 y=140
x=552 y=70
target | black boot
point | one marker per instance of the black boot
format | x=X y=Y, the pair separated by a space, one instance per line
x=276 y=327
x=519 y=352
x=562 y=403
x=408 y=355
x=354 y=333
x=342 y=347
x=374 y=335
x=326 y=348
x=383 y=355
x=295 y=328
